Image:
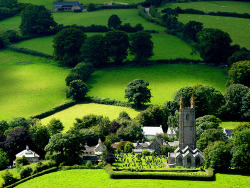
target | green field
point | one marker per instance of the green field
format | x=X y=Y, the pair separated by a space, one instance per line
x=164 y=80
x=49 y=3
x=165 y=46
x=99 y=178
x=11 y=23
x=230 y=124
x=29 y=84
x=213 y=6
x=68 y=116
x=237 y=28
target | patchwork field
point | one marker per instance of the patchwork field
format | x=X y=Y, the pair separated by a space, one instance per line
x=99 y=178
x=68 y=116
x=237 y=28
x=165 y=46
x=164 y=80
x=29 y=85
x=212 y=6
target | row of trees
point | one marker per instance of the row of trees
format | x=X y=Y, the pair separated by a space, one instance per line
x=72 y=46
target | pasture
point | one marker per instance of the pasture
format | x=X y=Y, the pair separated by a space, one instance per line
x=237 y=28
x=68 y=116
x=29 y=84
x=212 y=6
x=99 y=178
x=165 y=46
x=230 y=124
x=164 y=80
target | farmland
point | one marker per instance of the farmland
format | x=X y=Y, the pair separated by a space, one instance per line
x=212 y=6
x=99 y=178
x=164 y=80
x=68 y=116
x=29 y=84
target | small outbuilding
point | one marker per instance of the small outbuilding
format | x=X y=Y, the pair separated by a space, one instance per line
x=31 y=156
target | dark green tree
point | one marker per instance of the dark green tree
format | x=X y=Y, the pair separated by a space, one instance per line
x=240 y=55
x=8 y=3
x=19 y=122
x=67 y=45
x=91 y=7
x=210 y=136
x=217 y=156
x=3 y=126
x=213 y=45
x=55 y=126
x=36 y=20
x=169 y=19
x=117 y=44
x=4 y=159
x=114 y=22
x=186 y=94
x=245 y=108
x=241 y=127
x=191 y=29
x=87 y=121
x=141 y=46
x=206 y=122
x=239 y=73
x=95 y=50
x=137 y=91
x=77 y=90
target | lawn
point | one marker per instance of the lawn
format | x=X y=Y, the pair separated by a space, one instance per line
x=237 y=28
x=213 y=6
x=164 y=80
x=68 y=116
x=230 y=124
x=99 y=178
x=29 y=84
x=165 y=46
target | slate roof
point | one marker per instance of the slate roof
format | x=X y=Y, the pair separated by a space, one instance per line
x=228 y=132
x=66 y=4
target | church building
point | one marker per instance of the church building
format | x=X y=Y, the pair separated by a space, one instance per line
x=186 y=154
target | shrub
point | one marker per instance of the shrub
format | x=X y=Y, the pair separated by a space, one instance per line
x=89 y=164
x=8 y=178
x=145 y=153
x=26 y=172
x=77 y=90
x=22 y=160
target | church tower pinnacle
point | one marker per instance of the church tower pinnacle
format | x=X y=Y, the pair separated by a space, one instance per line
x=192 y=101
x=181 y=103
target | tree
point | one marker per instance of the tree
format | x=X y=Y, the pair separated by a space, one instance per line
x=117 y=44
x=67 y=45
x=91 y=7
x=87 y=121
x=17 y=140
x=170 y=19
x=137 y=91
x=241 y=127
x=114 y=22
x=130 y=131
x=36 y=20
x=185 y=93
x=241 y=150
x=55 y=126
x=240 y=55
x=210 y=136
x=8 y=3
x=191 y=29
x=154 y=116
x=239 y=73
x=128 y=147
x=114 y=126
x=95 y=50
x=217 y=156
x=77 y=90
x=141 y=46
x=19 y=122
x=206 y=122
x=233 y=97
x=245 y=108
x=171 y=107
x=4 y=159
x=213 y=45
x=123 y=115
x=3 y=126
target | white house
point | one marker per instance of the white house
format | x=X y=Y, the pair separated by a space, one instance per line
x=150 y=132
x=31 y=156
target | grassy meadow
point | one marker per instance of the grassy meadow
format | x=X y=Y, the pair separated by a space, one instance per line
x=212 y=6
x=68 y=116
x=99 y=178
x=29 y=84
x=165 y=46
x=237 y=28
x=230 y=124
x=164 y=80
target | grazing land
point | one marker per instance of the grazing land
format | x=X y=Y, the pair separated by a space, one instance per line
x=237 y=28
x=165 y=46
x=29 y=84
x=68 y=116
x=99 y=178
x=11 y=23
x=212 y=6
x=230 y=124
x=164 y=80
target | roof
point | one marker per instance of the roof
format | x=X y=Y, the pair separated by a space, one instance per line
x=174 y=143
x=61 y=4
x=228 y=132
x=171 y=131
x=27 y=153
x=152 y=130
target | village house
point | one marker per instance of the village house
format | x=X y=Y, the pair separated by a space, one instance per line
x=150 y=132
x=67 y=5
x=31 y=156
x=94 y=150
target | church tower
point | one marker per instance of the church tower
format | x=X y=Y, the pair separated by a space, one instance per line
x=187 y=129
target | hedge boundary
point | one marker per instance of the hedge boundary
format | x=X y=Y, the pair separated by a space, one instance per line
x=29 y=51
x=159 y=175
x=53 y=169
x=107 y=101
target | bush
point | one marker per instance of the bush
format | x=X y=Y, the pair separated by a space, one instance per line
x=8 y=178
x=26 y=172
x=77 y=90
x=89 y=164
x=145 y=153
x=22 y=160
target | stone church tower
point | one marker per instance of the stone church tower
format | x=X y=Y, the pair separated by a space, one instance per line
x=187 y=129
